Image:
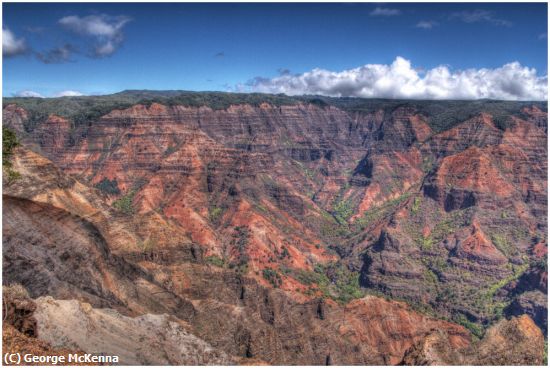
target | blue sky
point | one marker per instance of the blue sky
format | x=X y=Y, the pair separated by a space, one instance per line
x=103 y=48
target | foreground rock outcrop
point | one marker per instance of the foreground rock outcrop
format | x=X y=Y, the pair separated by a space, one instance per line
x=19 y=328
x=143 y=340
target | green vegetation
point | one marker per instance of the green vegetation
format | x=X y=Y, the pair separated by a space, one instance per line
x=80 y=110
x=541 y=264
x=170 y=150
x=517 y=272
x=334 y=280
x=214 y=100
x=125 y=203
x=379 y=212
x=83 y=110
x=427 y=164
x=448 y=225
x=442 y=115
x=215 y=260
x=474 y=328
x=9 y=142
x=427 y=242
x=342 y=211
x=416 y=205
x=215 y=213
x=501 y=243
x=242 y=234
x=284 y=253
x=261 y=207
x=273 y=277
x=302 y=276
x=240 y=240
x=331 y=228
x=108 y=186
x=430 y=276
x=307 y=172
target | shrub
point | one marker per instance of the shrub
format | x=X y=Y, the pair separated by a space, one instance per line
x=215 y=213
x=416 y=205
x=517 y=272
x=334 y=281
x=15 y=291
x=273 y=277
x=501 y=242
x=285 y=253
x=427 y=243
x=241 y=237
x=215 y=260
x=541 y=264
x=240 y=242
x=9 y=142
x=125 y=203
x=108 y=186
x=474 y=328
x=342 y=211
x=170 y=150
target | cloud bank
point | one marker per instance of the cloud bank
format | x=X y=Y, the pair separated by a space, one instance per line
x=400 y=80
x=28 y=93
x=106 y=31
x=68 y=93
x=11 y=45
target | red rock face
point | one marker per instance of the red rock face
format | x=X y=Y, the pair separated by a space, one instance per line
x=61 y=240
x=476 y=245
x=479 y=131
x=54 y=134
x=368 y=322
x=449 y=221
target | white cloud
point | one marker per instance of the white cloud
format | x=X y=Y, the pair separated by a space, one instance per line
x=384 y=12
x=479 y=15
x=400 y=80
x=28 y=93
x=105 y=29
x=426 y=24
x=105 y=49
x=543 y=36
x=95 y=25
x=11 y=45
x=68 y=93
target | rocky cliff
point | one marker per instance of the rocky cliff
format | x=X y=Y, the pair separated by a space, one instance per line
x=282 y=224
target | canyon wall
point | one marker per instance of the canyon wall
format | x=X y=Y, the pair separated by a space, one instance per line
x=294 y=220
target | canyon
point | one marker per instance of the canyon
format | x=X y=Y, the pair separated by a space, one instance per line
x=237 y=229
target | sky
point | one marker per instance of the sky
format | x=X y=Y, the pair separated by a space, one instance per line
x=434 y=51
